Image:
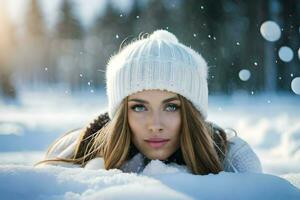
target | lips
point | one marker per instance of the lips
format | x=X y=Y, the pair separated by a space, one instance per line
x=157 y=142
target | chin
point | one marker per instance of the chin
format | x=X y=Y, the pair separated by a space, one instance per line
x=157 y=156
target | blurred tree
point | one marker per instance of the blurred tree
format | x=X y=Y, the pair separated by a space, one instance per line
x=271 y=12
x=225 y=32
x=204 y=29
x=252 y=46
x=111 y=29
x=34 y=20
x=133 y=19
x=68 y=26
x=35 y=50
x=69 y=47
x=289 y=15
x=34 y=47
x=7 y=48
x=153 y=17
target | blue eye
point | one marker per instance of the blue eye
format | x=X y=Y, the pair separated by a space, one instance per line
x=172 y=107
x=138 y=108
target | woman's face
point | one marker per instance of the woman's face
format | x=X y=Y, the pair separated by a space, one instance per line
x=154 y=120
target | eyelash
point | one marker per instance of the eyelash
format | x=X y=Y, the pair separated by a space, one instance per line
x=167 y=105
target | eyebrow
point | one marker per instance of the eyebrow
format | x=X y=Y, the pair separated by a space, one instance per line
x=146 y=102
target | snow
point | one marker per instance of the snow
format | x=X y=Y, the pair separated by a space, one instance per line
x=270 y=31
x=295 y=85
x=244 y=74
x=27 y=158
x=156 y=167
x=158 y=181
x=285 y=54
x=270 y=128
x=268 y=122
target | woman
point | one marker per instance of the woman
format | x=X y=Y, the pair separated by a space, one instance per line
x=157 y=106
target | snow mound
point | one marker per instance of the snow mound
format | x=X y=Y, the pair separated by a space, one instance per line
x=293 y=178
x=51 y=183
x=156 y=167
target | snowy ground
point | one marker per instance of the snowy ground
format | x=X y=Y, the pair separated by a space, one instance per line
x=157 y=181
x=269 y=123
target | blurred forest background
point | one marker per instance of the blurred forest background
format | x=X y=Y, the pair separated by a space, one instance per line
x=226 y=32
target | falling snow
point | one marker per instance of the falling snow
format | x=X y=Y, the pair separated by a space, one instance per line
x=244 y=75
x=285 y=54
x=295 y=85
x=270 y=31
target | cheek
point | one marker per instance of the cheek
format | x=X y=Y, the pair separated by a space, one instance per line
x=136 y=123
x=173 y=122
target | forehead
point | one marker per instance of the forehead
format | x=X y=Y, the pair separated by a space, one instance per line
x=145 y=94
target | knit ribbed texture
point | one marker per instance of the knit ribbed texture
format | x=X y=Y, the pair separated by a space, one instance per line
x=157 y=62
x=241 y=157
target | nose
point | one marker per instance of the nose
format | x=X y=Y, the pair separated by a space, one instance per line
x=155 y=122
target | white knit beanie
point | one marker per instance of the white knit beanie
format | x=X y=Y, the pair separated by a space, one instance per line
x=157 y=62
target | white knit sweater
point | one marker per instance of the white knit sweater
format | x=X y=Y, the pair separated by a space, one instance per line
x=239 y=158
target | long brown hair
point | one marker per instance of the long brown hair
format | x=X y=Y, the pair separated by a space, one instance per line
x=199 y=144
x=202 y=144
